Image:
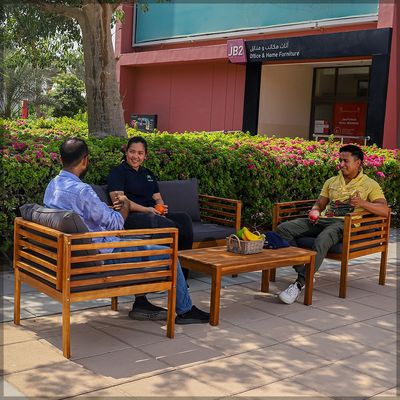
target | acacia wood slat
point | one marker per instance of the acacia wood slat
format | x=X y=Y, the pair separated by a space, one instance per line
x=118 y=256
x=120 y=267
x=172 y=291
x=368 y=235
x=365 y=252
x=290 y=203
x=17 y=276
x=60 y=264
x=37 y=238
x=289 y=217
x=38 y=260
x=222 y=199
x=293 y=209
x=217 y=206
x=223 y=204
x=367 y=243
x=368 y=227
x=121 y=278
x=364 y=220
x=218 y=212
x=66 y=297
x=39 y=228
x=121 y=244
x=37 y=272
x=121 y=233
x=120 y=291
x=37 y=249
x=41 y=287
x=218 y=220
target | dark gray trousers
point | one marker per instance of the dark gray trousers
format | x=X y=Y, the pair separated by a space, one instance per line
x=327 y=231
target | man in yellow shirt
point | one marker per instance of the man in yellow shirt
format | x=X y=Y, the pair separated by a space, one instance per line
x=350 y=191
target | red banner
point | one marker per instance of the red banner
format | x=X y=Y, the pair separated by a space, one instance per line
x=349 y=119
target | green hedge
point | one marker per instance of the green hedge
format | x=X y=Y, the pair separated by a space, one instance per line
x=257 y=170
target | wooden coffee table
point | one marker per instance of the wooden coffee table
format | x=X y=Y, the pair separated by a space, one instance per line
x=217 y=262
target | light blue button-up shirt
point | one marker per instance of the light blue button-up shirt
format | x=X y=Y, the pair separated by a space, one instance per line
x=67 y=192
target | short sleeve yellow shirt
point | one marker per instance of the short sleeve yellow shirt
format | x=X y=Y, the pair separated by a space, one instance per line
x=339 y=193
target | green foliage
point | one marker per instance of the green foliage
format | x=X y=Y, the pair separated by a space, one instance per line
x=44 y=40
x=67 y=95
x=257 y=170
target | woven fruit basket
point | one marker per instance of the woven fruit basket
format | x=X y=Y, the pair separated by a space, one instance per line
x=235 y=245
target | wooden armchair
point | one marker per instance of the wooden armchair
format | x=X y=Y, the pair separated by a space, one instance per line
x=69 y=268
x=363 y=234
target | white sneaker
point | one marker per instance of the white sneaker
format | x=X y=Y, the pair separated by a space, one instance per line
x=291 y=294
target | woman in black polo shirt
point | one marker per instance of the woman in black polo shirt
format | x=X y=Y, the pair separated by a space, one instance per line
x=140 y=186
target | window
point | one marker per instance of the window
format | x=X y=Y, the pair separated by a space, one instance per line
x=333 y=88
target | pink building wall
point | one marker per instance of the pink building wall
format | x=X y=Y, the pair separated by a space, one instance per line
x=389 y=17
x=202 y=96
x=192 y=86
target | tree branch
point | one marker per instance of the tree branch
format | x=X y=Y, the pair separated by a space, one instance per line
x=60 y=9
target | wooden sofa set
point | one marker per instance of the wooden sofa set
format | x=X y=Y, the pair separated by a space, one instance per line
x=54 y=252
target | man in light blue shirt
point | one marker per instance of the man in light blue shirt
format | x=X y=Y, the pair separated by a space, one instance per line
x=67 y=192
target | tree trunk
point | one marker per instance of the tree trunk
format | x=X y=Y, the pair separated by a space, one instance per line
x=105 y=115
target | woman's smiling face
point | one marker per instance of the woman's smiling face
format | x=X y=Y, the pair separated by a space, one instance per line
x=135 y=155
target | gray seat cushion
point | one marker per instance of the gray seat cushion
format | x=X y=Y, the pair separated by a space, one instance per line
x=203 y=232
x=181 y=195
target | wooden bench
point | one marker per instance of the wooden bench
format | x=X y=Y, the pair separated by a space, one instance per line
x=213 y=218
x=69 y=268
x=363 y=234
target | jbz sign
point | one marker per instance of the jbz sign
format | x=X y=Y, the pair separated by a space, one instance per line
x=236 y=51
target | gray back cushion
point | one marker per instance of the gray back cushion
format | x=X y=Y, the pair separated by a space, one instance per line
x=61 y=220
x=102 y=192
x=181 y=195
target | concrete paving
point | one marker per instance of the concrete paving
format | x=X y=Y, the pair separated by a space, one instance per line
x=262 y=348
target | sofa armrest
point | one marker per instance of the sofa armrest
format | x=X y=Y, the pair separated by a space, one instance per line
x=363 y=231
x=220 y=210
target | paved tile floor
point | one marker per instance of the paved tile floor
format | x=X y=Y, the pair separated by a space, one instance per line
x=262 y=348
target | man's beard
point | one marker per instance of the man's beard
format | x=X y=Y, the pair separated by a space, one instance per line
x=83 y=173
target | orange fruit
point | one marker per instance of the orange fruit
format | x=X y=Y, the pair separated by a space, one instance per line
x=160 y=208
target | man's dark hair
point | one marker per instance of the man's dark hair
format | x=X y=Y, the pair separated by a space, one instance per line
x=354 y=150
x=72 y=152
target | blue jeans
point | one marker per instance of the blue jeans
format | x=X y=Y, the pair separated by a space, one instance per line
x=183 y=300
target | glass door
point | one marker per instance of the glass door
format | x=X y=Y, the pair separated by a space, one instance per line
x=339 y=103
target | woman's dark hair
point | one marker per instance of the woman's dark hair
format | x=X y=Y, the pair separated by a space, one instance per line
x=354 y=150
x=72 y=152
x=131 y=141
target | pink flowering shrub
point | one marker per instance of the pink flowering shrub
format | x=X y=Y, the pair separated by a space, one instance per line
x=255 y=169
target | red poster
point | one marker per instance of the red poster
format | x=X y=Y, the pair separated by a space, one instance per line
x=349 y=119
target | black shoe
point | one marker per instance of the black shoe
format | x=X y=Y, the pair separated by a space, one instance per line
x=193 y=316
x=145 y=311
